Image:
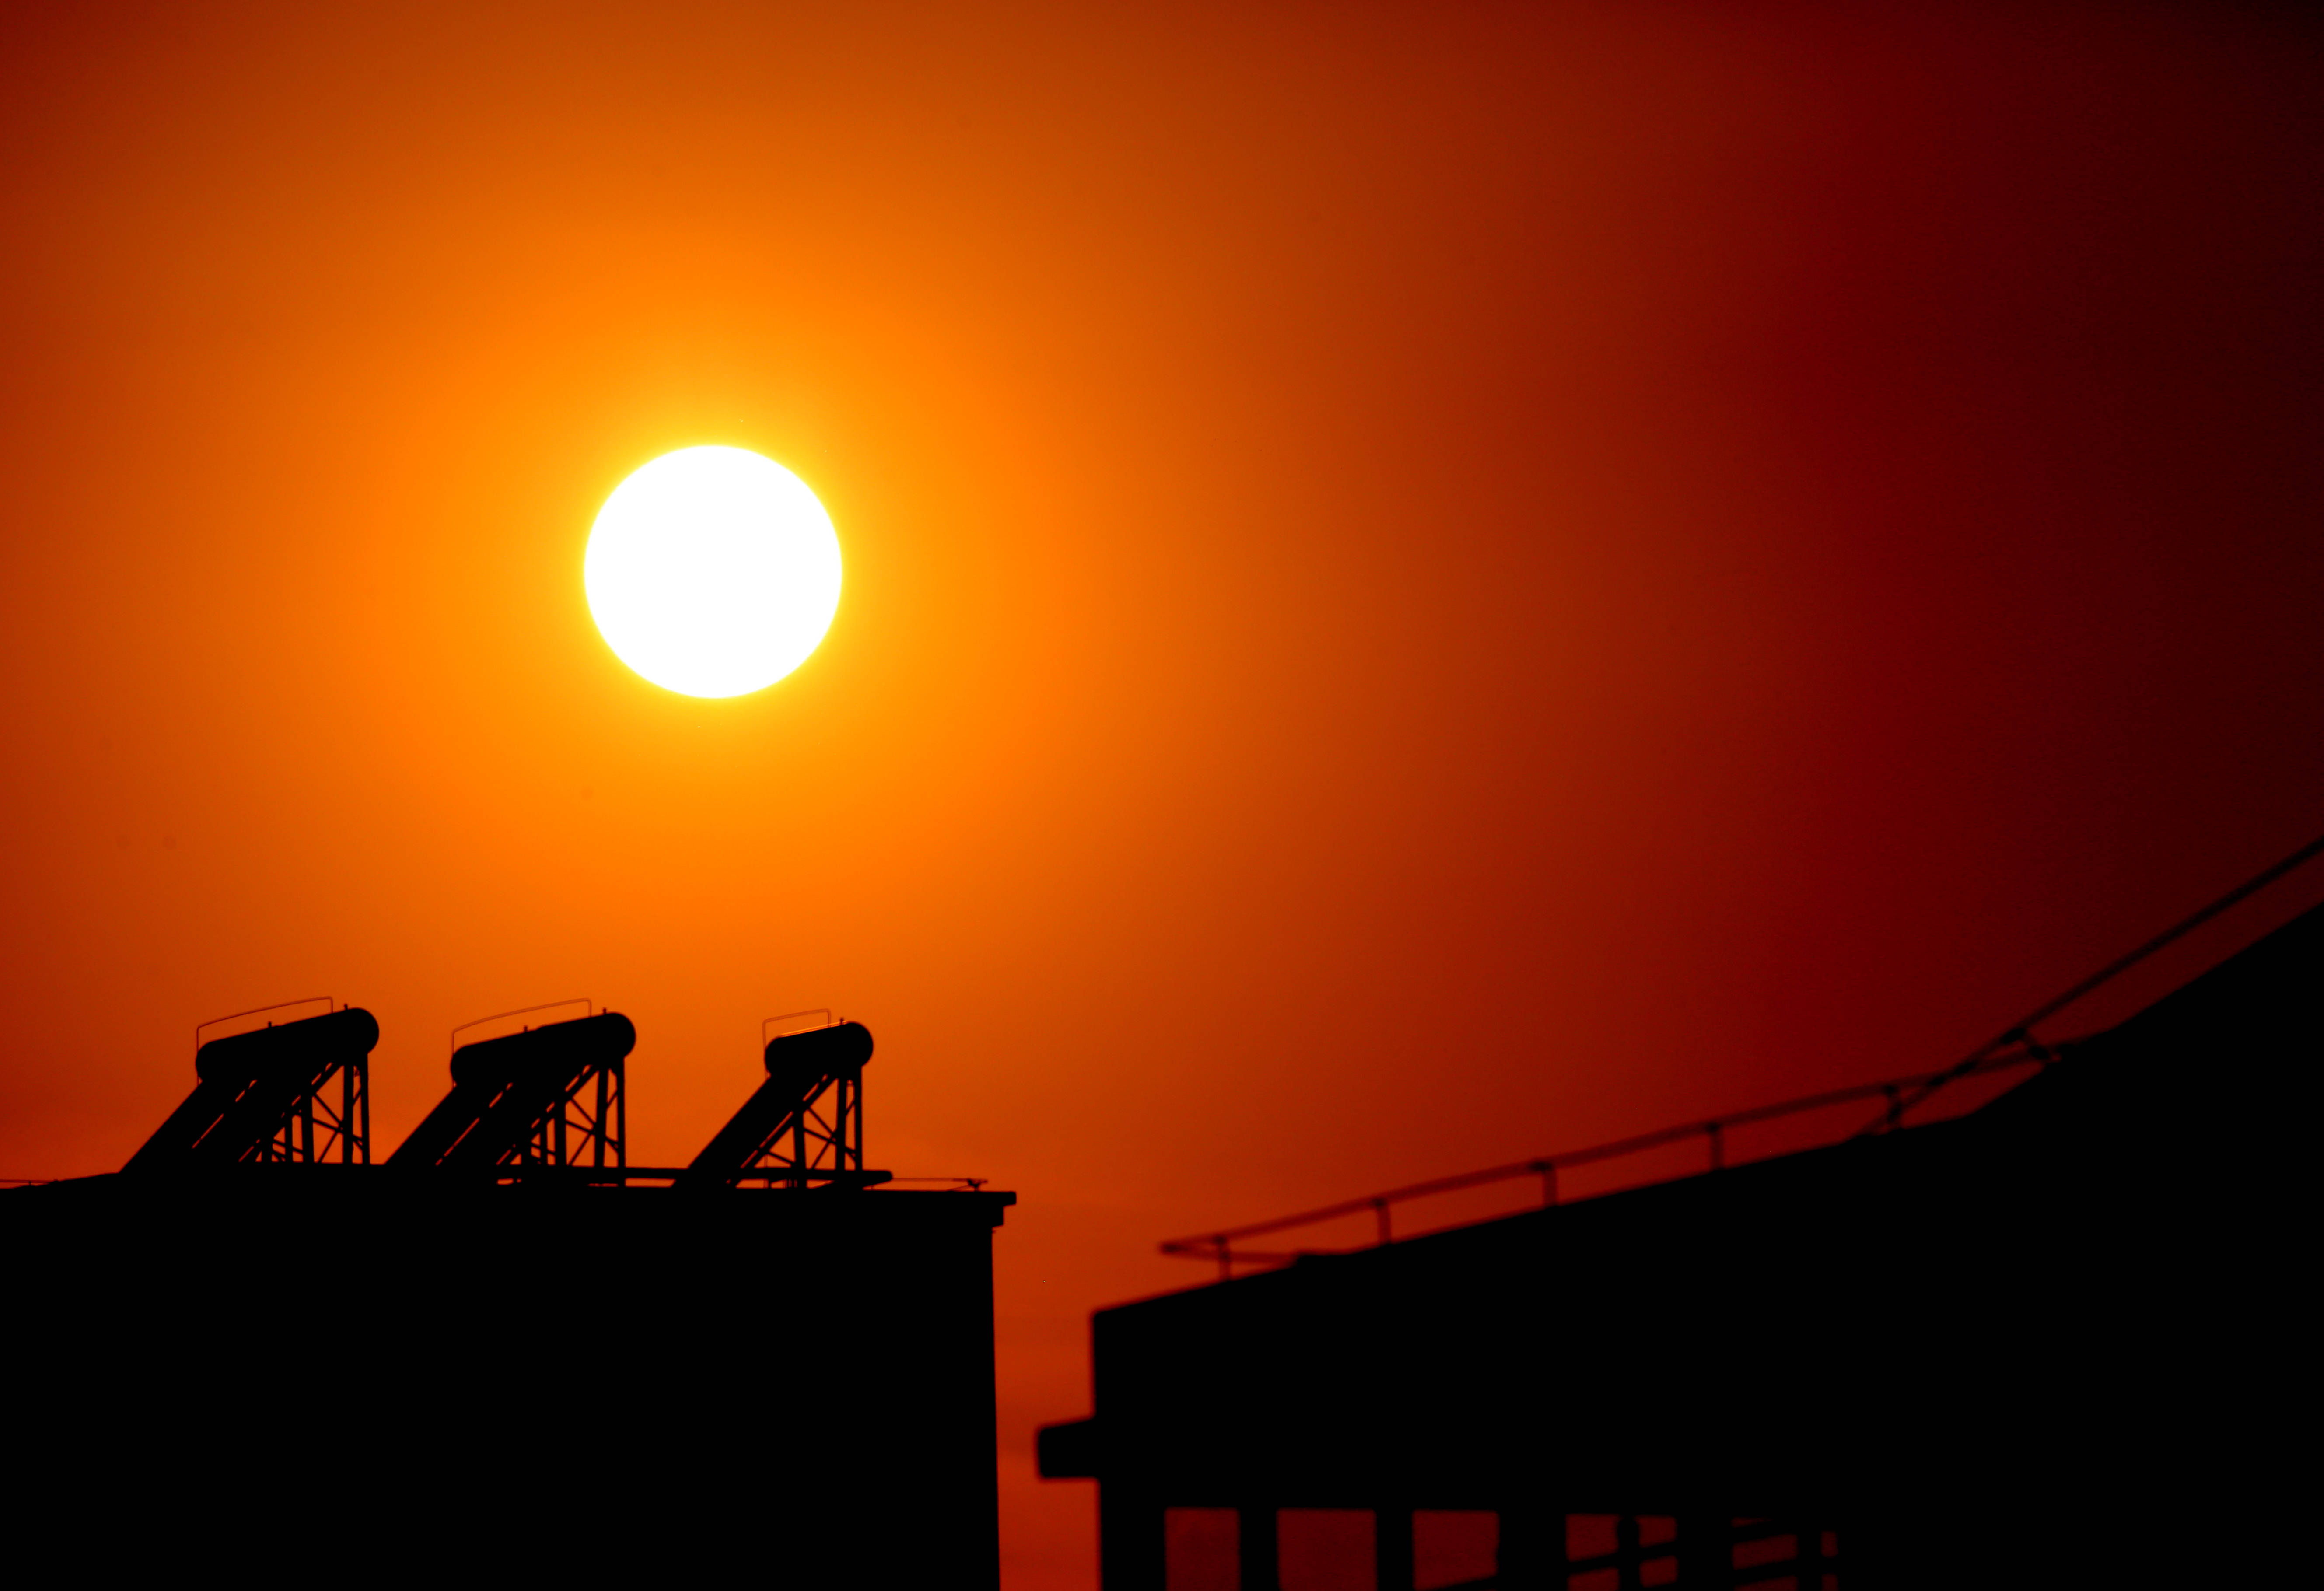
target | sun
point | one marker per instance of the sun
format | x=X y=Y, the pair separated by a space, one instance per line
x=712 y=572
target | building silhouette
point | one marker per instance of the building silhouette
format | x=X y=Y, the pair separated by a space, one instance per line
x=504 y=1350
x=2053 y=1341
x=2029 y=1345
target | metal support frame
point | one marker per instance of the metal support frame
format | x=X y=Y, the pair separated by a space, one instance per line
x=826 y=1134
x=576 y=1133
x=803 y=1126
x=316 y=1130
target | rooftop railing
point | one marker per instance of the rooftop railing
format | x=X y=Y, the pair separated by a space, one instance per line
x=1898 y=1095
x=2014 y=1048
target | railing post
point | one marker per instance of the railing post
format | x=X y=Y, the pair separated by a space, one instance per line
x=1530 y=1555
x=1706 y=1553
x=1255 y=1550
x=1809 y=1539
x=1131 y=1556
x=1392 y=1548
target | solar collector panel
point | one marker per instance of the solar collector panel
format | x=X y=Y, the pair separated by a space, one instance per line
x=251 y=1083
x=799 y=1068
x=503 y=1089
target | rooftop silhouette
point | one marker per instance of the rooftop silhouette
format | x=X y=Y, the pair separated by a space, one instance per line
x=1981 y=1350
x=504 y=1324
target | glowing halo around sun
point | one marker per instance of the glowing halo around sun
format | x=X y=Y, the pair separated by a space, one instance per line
x=712 y=572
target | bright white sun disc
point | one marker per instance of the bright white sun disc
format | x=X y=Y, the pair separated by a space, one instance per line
x=712 y=572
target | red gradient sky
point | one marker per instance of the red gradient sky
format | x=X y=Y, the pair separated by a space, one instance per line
x=1424 y=584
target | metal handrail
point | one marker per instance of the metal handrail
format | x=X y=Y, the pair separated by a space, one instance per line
x=1219 y=1245
x=2021 y=1032
x=2015 y=1046
x=328 y=1001
x=586 y=1004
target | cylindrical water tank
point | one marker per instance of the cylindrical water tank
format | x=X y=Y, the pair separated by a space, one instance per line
x=825 y=1051
x=290 y=1046
x=563 y=1046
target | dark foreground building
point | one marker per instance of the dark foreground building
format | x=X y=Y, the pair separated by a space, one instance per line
x=530 y=1360
x=2052 y=1343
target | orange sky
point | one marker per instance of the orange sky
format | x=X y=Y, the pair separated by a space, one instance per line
x=1424 y=584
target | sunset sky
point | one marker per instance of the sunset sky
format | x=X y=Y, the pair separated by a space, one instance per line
x=1422 y=584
